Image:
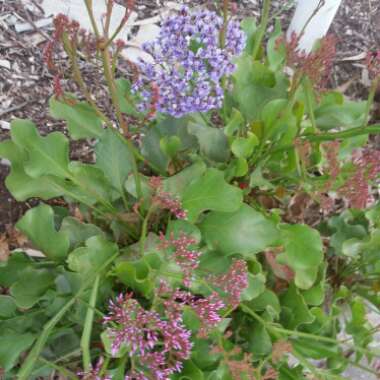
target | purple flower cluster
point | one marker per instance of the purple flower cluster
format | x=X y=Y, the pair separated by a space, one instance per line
x=189 y=63
x=157 y=346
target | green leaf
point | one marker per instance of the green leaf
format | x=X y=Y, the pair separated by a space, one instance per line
x=91 y=184
x=93 y=256
x=138 y=274
x=31 y=286
x=78 y=232
x=114 y=159
x=189 y=372
x=212 y=141
x=316 y=294
x=345 y=227
x=210 y=192
x=170 y=145
x=259 y=340
x=243 y=147
x=294 y=309
x=266 y=301
x=38 y=225
x=11 y=269
x=245 y=231
x=20 y=184
x=82 y=120
x=347 y=115
x=151 y=149
x=178 y=227
x=7 y=307
x=234 y=124
x=12 y=346
x=256 y=286
x=177 y=184
x=253 y=91
x=303 y=253
x=250 y=28
x=46 y=155
x=276 y=53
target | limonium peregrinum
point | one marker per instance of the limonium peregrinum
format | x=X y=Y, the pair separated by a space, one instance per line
x=189 y=61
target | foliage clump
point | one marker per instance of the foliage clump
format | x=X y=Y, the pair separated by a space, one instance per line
x=227 y=223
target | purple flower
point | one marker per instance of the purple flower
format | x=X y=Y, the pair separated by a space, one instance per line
x=189 y=63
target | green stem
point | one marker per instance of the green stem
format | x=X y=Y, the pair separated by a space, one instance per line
x=262 y=28
x=88 y=4
x=86 y=335
x=28 y=365
x=144 y=230
x=279 y=330
x=375 y=84
x=372 y=129
x=309 y=101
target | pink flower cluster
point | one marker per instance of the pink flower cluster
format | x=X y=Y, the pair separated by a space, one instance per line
x=207 y=310
x=165 y=200
x=317 y=65
x=184 y=256
x=232 y=283
x=367 y=169
x=158 y=346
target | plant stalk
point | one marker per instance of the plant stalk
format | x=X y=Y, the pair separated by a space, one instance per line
x=86 y=335
x=262 y=28
x=374 y=86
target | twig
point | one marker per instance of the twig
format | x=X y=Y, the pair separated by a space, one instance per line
x=14 y=108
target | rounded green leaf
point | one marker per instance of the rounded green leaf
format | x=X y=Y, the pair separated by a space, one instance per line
x=12 y=345
x=31 y=286
x=46 y=155
x=245 y=231
x=210 y=192
x=303 y=246
x=20 y=184
x=38 y=225
x=243 y=147
x=91 y=257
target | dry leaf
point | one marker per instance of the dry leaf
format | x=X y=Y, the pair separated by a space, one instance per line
x=4 y=248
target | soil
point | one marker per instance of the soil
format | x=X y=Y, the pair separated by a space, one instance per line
x=26 y=85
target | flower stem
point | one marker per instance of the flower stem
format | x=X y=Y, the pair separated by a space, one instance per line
x=262 y=28
x=375 y=84
x=144 y=230
x=86 y=335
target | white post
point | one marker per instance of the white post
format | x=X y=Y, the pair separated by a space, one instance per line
x=318 y=26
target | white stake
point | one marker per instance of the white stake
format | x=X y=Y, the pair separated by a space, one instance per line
x=319 y=24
